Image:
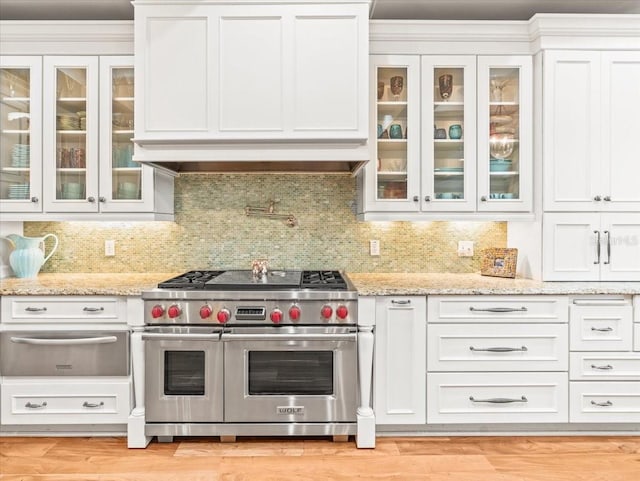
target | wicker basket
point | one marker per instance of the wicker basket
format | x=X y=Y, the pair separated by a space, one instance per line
x=499 y=262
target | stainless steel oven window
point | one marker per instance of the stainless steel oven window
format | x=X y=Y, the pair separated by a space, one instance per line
x=184 y=373
x=293 y=373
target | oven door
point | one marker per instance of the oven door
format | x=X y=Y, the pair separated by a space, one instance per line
x=183 y=374
x=64 y=353
x=284 y=374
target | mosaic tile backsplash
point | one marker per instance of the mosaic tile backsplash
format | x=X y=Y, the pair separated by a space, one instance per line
x=211 y=230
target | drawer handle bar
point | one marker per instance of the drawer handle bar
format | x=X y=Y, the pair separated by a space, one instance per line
x=405 y=302
x=64 y=342
x=608 y=367
x=87 y=404
x=499 y=349
x=35 y=309
x=605 y=404
x=93 y=309
x=36 y=406
x=602 y=329
x=499 y=309
x=499 y=400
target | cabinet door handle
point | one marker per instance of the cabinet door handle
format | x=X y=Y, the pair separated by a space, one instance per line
x=416 y=198
x=102 y=198
x=87 y=404
x=608 y=367
x=602 y=329
x=597 y=233
x=608 y=234
x=607 y=198
x=427 y=198
x=34 y=199
x=602 y=404
x=597 y=198
x=499 y=349
x=91 y=199
x=93 y=309
x=499 y=400
x=402 y=302
x=35 y=309
x=31 y=405
x=499 y=309
x=483 y=198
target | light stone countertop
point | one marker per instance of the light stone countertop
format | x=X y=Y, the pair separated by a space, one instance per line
x=368 y=284
x=410 y=284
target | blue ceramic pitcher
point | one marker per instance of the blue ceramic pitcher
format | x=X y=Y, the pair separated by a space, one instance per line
x=28 y=254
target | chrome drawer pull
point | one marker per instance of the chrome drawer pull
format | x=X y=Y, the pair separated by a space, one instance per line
x=605 y=404
x=35 y=309
x=608 y=367
x=499 y=400
x=499 y=349
x=64 y=342
x=35 y=406
x=401 y=303
x=602 y=329
x=87 y=404
x=499 y=309
x=93 y=309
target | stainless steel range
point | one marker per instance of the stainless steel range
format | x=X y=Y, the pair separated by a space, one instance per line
x=251 y=353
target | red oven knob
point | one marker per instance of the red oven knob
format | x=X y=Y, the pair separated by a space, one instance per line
x=174 y=311
x=342 y=312
x=205 y=311
x=223 y=316
x=294 y=313
x=326 y=312
x=276 y=316
x=157 y=311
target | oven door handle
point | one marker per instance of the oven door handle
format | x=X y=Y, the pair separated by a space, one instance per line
x=159 y=336
x=65 y=342
x=227 y=336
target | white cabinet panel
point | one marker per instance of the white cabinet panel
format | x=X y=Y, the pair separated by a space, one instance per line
x=605 y=402
x=176 y=51
x=498 y=309
x=257 y=79
x=621 y=245
x=616 y=366
x=636 y=337
x=497 y=347
x=497 y=397
x=400 y=360
x=636 y=308
x=571 y=250
x=328 y=81
x=606 y=328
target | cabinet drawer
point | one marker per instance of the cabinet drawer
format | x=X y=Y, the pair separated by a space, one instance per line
x=54 y=402
x=605 y=402
x=497 y=309
x=68 y=309
x=497 y=397
x=497 y=347
x=601 y=328
x=587 y=366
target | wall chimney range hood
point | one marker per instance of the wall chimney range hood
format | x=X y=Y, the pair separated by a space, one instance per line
x=252 y=86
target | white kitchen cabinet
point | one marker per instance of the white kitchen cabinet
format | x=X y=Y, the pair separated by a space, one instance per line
x=591 y=247
x=438 y=159
x=604 y=402
x=601 y=366
x=400 y=360
x=600 y=324
x=267 y=71
x=20 y=134
x=591 y=123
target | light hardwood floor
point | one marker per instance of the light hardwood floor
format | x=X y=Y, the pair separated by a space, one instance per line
x=598 y=458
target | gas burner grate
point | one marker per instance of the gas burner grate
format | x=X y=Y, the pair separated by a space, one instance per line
x=190 y=280
x=323 y=280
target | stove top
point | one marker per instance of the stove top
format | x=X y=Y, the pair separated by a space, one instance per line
x=245 y=281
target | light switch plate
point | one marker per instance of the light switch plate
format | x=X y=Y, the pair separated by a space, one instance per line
x=465 y=248
x=110 y=248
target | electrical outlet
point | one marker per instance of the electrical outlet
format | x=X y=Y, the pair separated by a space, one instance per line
x=465 y=248
x=110 y=248
x=374 y=247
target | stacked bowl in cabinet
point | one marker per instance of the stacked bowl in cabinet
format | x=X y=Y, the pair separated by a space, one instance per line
x=605 y=359
x=497 y=359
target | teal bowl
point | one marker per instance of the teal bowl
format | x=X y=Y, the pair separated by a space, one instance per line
x=499 y=165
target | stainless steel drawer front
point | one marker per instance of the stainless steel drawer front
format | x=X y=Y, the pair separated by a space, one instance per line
x=64 y=353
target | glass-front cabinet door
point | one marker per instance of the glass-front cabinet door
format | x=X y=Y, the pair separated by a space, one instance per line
x=448 y=133
x=504 y=133
x=393 y=183
x=125 y=185
x=70 y=137
x=20 y=134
